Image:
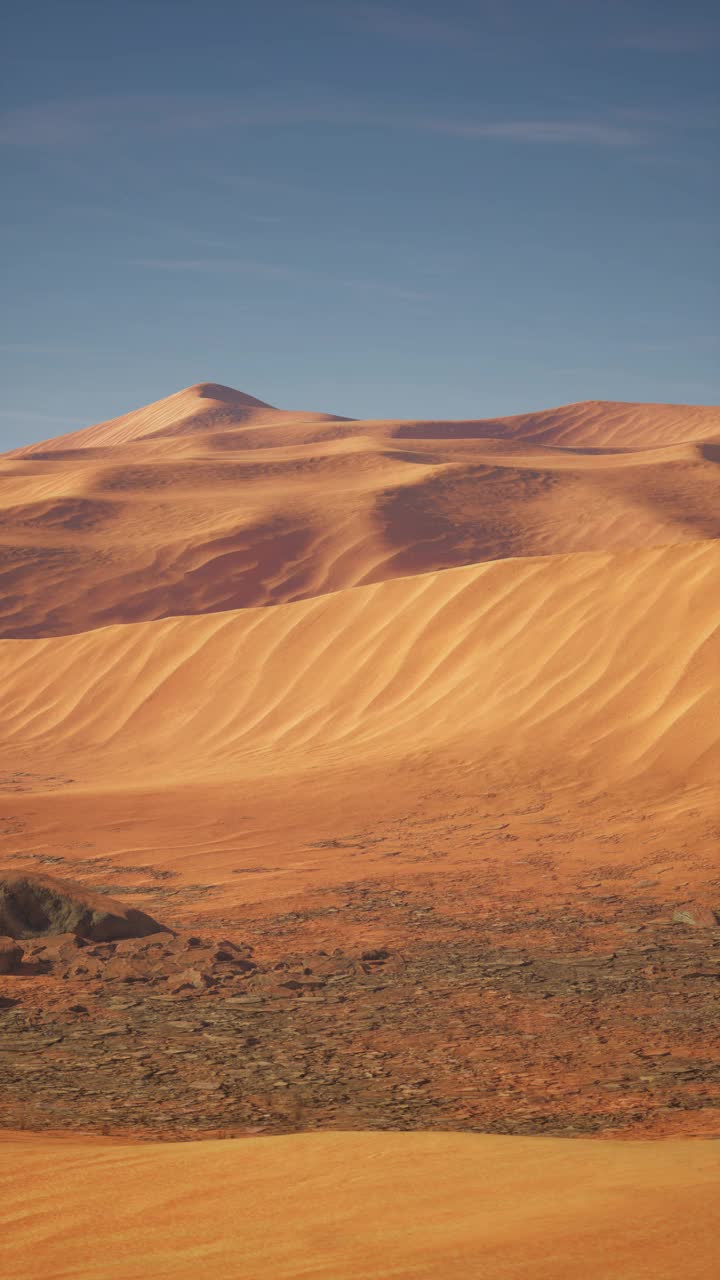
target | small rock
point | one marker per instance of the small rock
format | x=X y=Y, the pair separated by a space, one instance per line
x=10 y=955
x=189 y=980
x=697 y=914
x=59 y=946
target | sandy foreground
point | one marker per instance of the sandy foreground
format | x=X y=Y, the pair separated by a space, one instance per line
x=359 y=1206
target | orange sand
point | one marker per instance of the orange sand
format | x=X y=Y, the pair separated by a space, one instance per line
x=356 y=1206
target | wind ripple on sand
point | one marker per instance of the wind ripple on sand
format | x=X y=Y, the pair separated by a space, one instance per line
x=606 y=662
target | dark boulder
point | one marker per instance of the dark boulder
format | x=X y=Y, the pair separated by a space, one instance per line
x=34 y=906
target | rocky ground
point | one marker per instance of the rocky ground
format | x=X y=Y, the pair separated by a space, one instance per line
x=593 y=1015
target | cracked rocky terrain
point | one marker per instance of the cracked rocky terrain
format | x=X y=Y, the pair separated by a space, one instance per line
x=495 y=1024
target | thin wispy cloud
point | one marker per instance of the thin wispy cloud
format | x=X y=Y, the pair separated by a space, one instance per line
x=700 y=342
x=30 y=416
x=543 y=132
x=405 y=25
x=253 y=186
x=678 y=39
x=169 y=230
x=281 y=272
x=34 y=348
x=233 y=265
x=75 y=124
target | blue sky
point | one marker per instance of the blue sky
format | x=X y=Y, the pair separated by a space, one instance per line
x=396 y=209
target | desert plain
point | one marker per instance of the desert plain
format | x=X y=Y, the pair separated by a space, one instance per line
x=406 y=733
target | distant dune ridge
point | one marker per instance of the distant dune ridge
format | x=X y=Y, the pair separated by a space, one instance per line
x=203 y=407
x=385 y=684
x=211 y=500
x=597 y=424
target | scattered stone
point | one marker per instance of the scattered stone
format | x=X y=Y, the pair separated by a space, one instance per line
x=190 y=979
x=451 y=1026
x=57 y=947
x=698 y=914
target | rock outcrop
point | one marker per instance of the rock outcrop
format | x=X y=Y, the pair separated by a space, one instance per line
x=33 y=906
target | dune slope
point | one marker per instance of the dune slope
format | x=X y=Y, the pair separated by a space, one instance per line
x=607 y=662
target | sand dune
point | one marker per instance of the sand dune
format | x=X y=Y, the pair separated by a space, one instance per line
x=361 y=1207
x=424 y=713
x=202 y=407
x=606 y=662
x=209 y=501
x=594 y=424
x=591 y=424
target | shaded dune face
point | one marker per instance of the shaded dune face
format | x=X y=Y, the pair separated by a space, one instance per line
x=212 y=500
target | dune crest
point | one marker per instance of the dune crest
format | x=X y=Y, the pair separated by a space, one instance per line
x=587 y=424
x=199 y=407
